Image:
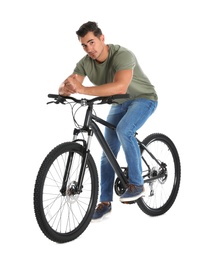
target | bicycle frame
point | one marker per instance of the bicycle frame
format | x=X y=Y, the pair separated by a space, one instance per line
x=91 y=127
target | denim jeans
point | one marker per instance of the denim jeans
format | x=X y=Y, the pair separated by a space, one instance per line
x=128 y=118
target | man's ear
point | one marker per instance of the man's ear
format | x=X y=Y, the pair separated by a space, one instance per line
x=102 y=38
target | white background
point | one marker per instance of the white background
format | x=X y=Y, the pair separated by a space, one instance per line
x=38 y=50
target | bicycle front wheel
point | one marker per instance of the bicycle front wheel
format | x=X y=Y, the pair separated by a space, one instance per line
x=64 y=217
x=160 y=193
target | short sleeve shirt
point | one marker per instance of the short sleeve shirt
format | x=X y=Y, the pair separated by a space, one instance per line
x=119 y=58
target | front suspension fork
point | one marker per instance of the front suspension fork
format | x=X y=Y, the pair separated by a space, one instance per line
x=68 y=167
x=66 y=173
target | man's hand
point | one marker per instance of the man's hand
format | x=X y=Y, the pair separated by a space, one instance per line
x=70 y=86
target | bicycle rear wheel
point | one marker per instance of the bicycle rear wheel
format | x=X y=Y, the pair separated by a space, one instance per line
x=64 y=217
x=160 y=193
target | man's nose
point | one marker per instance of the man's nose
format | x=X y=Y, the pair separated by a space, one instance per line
x=89 y=49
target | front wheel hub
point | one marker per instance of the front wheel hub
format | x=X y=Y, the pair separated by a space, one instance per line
x=72 y=193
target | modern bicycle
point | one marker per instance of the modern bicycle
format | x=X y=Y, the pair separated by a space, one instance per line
x=67 y=184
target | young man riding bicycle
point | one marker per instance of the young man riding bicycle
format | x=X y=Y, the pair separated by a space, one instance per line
x=113 y=70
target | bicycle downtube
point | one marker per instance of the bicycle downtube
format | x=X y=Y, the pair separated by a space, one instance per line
x=109 y=154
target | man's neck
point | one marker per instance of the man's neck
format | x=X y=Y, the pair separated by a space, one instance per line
x=104 y=54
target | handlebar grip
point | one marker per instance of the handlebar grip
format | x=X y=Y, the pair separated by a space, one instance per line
x=53 y=96
x=119 y=96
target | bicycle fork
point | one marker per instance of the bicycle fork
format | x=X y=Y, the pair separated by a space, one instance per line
x=76 y=187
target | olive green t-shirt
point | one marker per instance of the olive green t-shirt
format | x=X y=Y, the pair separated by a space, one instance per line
x=119 y=58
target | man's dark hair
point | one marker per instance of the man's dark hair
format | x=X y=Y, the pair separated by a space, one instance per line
x=89 y=27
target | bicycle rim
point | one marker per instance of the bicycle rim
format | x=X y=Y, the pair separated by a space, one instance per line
x=161 y=193
x=64 y=218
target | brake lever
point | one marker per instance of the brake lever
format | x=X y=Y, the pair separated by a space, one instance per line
x=50 y=102
x=58 y=100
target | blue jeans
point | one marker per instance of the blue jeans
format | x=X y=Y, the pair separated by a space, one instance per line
x=128 y=118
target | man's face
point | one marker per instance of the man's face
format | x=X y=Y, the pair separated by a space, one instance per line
x=92 y=45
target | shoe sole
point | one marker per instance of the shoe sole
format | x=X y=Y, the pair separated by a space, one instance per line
x=100 y=219
x=132 y=199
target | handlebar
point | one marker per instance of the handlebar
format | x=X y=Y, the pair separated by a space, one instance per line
x=83 y=101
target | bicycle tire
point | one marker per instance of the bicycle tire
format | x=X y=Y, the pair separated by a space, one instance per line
x=164 y=192
x=64 y=218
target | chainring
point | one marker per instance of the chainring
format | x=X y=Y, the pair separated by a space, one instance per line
x=118 y=187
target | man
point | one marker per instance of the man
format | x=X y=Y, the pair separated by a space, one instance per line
x=114 y=69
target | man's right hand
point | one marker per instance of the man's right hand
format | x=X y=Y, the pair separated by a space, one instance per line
x=66 y=89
